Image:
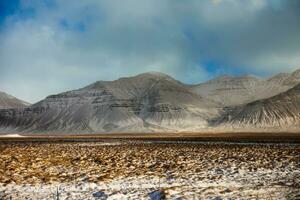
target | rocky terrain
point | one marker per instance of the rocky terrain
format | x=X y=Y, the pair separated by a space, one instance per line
x=8 y=101
x=147 y=102
x=282 y=110
x=139 y=170
x=233 y=91
x=155 y=102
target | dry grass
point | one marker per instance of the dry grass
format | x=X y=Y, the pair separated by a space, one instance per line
x=33 y=163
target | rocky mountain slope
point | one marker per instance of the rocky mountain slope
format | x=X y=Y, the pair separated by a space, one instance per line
x=8 y=101
x=282 y=110
x=147 y=102
x=156 y=102
x=232 y=91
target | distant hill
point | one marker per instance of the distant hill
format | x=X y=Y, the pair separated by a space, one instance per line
x=8 y=101
x=282 y=110
x=231 y=91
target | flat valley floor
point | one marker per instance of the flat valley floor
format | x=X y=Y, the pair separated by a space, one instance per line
x=143 y=170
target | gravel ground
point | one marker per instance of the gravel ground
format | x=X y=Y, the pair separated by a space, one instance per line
x=133 y=171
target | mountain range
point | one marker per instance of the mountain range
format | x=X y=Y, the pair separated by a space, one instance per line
x=156 y=102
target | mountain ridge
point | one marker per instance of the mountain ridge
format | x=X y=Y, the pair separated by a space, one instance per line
x=8 y=101
x=150 y=99
x=282 y=110
x=232 y=91
x=151 y=102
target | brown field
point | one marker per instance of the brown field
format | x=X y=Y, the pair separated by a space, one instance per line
x=135 y=165
x=273 y=137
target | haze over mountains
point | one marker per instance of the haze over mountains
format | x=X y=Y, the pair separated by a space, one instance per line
x=156 y=102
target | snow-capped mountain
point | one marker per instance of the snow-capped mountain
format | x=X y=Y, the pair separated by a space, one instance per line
x=8 y=101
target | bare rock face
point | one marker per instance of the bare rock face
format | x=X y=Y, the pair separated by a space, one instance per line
x=229 y=90
x=293 y=79
x=8 y=101
x=147 y=102
x=233 y=91
x=155 y=102
x=280 y=111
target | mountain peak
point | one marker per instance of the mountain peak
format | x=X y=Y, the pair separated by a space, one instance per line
x=296 y=73
x=226 y=78
x=154 y=74
x=280 y=76
x=2 y=94
x=249 y=77
x=132 y=81
x=9 y=101
x=219 y=78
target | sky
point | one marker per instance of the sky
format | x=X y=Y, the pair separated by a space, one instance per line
x=50 y=46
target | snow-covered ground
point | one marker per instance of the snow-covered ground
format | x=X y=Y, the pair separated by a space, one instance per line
x=258 y=185
x=12 y=135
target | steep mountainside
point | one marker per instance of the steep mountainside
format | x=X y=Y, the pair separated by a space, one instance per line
x=293 y=79
x=8 y=101
x=229 y=90
x=232 y=91
x=147 y=102
x=280 y=111
x=156 y=102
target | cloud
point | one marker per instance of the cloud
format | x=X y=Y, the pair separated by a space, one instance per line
x=52 y=46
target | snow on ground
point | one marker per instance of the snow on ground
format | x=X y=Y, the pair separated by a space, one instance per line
x=258 y=185
x=12 y=135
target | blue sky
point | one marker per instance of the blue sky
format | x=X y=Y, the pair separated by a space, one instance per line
x=49 y=46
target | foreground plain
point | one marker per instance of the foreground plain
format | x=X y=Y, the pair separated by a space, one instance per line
x=123 y=169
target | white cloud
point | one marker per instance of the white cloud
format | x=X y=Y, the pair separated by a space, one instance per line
x=68 y=45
